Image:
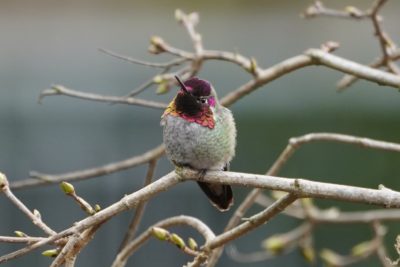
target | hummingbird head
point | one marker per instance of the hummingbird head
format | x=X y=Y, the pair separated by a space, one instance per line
x=195 y=97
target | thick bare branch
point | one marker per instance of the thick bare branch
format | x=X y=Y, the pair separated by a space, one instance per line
x=297 y=188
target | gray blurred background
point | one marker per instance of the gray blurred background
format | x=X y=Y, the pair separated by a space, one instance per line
x=45 y=42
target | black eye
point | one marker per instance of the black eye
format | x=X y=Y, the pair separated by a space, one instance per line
x=202 y=100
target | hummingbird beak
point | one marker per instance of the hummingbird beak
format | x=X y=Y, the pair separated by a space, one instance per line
x=183 y=86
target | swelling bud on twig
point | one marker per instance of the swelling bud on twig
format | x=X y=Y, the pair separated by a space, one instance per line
x=308 y=253
x=162 y=88
x=253 y=66
x=50 y=253
x=274 y=244
x=20 y=234
x=192 y=244
x=160 y=233
x=177 y=240
x=330 y=257
x=330 y=46
x=179 y=15
x=3 y=181
x=362 y=248
x=156 y=45
x=97 y=208
x=353 y=11
x=158 y=79
x=67 y=188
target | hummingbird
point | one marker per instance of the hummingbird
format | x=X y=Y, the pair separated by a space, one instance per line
x=200 y=133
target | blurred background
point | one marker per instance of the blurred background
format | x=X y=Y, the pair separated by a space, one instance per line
x=46 y=41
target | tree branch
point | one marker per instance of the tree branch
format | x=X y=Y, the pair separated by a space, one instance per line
x=36 y=220
x=61 y=90
x=195 y=223
x=297 y=187
x=42 y=179
x=140 y=208
x=294 y=144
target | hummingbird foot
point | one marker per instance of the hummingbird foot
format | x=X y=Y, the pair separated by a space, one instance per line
x=201 y=174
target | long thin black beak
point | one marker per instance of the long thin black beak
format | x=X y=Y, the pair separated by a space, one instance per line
x=181 y=84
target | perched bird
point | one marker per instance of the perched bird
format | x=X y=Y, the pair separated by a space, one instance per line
x=200 y=133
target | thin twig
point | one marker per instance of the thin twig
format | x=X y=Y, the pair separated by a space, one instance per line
x=380 y=231
x=141 y=88
x=75 y=244
x=289 y=240
x=378 y=29
x=36 y=220
x=140 y=208
x=335 y=216
x=189 y=21
x=174 y=62
x=61 y=90
x=42 y=179
x=15 y=239
x=351 y=67
x=61 y=257
x=195 y=223
x=387 y=46
x=252 y=222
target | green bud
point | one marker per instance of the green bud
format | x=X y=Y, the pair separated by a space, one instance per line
x=3 y=180
x=20 y=234
x=162 y=88
x=67 y=188
x=97 y=208
x=158 y=79
x=50 y=253
x=160 y=233
x=253 y=65
x=277 y=194
x=177 y=240
x=274 y=244
x=330 y=257
x=192 y=244
x=353 y=11
x=156 y=40
x=361 y=249
x=308 y=253
x=179 y=15
x=307 y=202
x=156 y=45
x=153 y=50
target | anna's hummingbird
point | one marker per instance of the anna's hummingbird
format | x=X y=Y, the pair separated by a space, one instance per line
x=200 y=133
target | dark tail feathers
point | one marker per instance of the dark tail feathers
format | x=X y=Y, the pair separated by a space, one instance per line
x=220 y=195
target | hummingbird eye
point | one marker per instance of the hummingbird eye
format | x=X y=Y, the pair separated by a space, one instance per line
x=202 y=100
